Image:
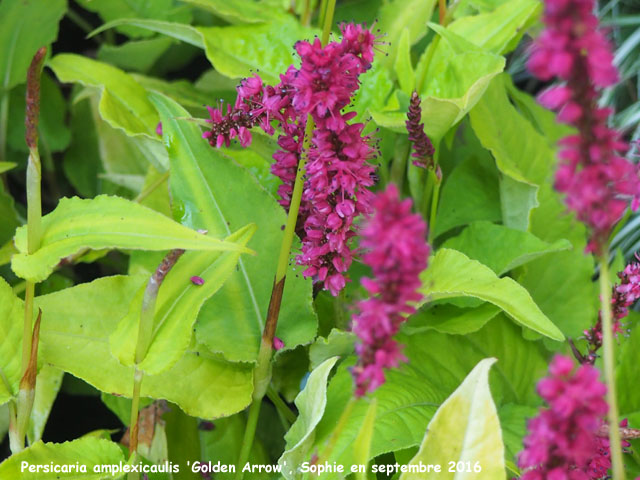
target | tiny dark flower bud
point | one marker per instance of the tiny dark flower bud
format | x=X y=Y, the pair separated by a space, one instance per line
x=33 y=98
x=422 y=147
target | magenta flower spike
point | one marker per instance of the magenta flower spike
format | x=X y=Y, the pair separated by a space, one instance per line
x=562 y=442
x=597 y=180
x=338 y=173
x=396 y=250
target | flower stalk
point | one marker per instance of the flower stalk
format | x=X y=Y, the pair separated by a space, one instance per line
x=609 y=370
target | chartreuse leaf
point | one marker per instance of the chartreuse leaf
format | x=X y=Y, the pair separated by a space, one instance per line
x=311 y=403
x=114 y=10
x=399 y=16
x=123 y=103
x=500 y=29
x=9 y=216
x=137 y=55
x=179 y=31
x=466 y=431
x=560 y=283
x=92 y=452
x=24 y=28
x=479 y=239
x=237 y=50
x=451 y=77
x=412 y=393
x=469 y=194
x=105 y=222
x=11 y=317
x=211 y=191
x=452 y=274
x=75 y=338
x=446 y=318
x=338 y=342
x=177 y=306
x=626 y=371
x=239 y=11
x=47 y=385
x=6 y=166
x=403 y=67
x=362 y=445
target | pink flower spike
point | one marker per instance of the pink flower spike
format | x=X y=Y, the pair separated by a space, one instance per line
x=197 y=280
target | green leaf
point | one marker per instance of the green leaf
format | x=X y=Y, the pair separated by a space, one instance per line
x=114 y=10
x=311 y=403
x=464 y=429
x=437 y=363
x=239 y=11
x=123 y=103
x=338 y=343
x=24 y=28
x=137 y=55
x=48 y=383
x=469 y=194
x=375 y=87
x=75 y=338
x=205 y=188
x=8 y=215
x=6 y=166
x=177 y=307
x=479 y=239
x=453 y=320
x=104 y=222
x=11 y=318
x=452 y=274
x=223 y=443
x=500 y=29
x=179 y=31
x=626 y=371
x=399 y=16
x=560 y=283
x=87 y=451
x=362 y=445
x=237 y=50
x=403 y=67
x=517 y=200
x=513 y=419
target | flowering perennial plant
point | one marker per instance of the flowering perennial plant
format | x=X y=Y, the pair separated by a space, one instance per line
x=562 y=442
x=338 y=173
x=624 y=295
x=597 y=180
x=396 y=251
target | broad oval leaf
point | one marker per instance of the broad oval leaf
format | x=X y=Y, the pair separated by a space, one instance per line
x=24 y=28
x=311 y=403
x=179 y=31
x=104 y=222
x=177 y=306
x=87 y=451
x=11 y=319
x=479 y=239
x=465 y=430
x=240 y=11
x=237 y=50
x=412 y=393
x=211 y=191
x=123 y=103
x=77 y=324
x=452 y=274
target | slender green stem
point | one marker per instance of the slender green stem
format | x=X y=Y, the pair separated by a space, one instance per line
x=133 y=424
x=434 y=202
x=27 y=325
x=609 y=369
x=322 y=12
x=249 y=434
x=4 y=118
x=306 y=14
x=281 y=406
x=442 y=11
x=328 y=20
x=79 y=21
x=15 y=443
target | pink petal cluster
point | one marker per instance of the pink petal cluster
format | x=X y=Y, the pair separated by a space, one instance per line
x=562 y=442
x=624 y=295
x=600 y=464
x=338 y=173
x=396 y=251
x=597 y=180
